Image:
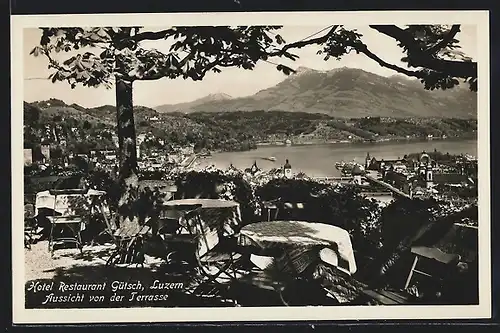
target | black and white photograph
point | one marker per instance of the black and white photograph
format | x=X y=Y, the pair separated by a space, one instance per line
x=251 y=166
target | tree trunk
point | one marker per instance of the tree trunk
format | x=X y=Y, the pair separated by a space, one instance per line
x=127 y=154
x=126 y=130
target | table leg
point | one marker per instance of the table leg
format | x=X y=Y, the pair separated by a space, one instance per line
x=79 y=240
x=408 y=279
x=51 y=235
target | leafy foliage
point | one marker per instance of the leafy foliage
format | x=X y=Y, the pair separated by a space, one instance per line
x=118 y=51
x=342 y=206
x=432 y=49
x=219 y=185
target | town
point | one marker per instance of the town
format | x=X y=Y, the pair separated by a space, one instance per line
x=448 y=179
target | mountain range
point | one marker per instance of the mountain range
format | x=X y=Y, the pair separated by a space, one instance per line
x=344 y=93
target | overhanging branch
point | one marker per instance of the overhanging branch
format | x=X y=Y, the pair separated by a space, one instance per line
x=400 y=35
x=364 y=49
x=419 y=58
x=150 y=35
x=300 y=44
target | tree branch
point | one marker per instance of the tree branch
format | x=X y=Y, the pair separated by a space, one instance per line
x=462 y=69
x=150 y=35
x=300 y=44
x=445 y=41
x=400 y=35
x=54 y=64
x=364 y=49
x=419 y=58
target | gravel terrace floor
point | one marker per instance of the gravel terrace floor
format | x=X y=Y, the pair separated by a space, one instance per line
x=69 y=266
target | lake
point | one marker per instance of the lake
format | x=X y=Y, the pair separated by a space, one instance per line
x=319 y=159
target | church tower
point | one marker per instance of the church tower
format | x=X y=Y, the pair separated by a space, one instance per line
x=421 y=170
x=429 y=176
x=287 y=169
x=367 y=161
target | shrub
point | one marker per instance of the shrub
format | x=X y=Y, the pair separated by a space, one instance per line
x=219 y=185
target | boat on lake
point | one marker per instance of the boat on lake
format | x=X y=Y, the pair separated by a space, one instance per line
x=270 y=158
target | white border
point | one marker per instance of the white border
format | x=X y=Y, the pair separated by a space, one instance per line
x=31 y=316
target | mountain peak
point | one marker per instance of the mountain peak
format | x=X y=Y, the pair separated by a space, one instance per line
x=303 y=69
x=341 y=92
x=217 y=97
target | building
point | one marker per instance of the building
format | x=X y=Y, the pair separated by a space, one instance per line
x=357 y=172
x=450 y=178
x=45 y=152
x=377 y=165
x=429 y=177
x=287 y=169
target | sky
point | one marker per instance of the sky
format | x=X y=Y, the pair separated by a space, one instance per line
x=235 y=82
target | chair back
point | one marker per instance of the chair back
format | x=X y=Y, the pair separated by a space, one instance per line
x=207 y=238
x=29 y=215
x=171 y=218
x=293 y=210
x=432 y=256
x=29 y=211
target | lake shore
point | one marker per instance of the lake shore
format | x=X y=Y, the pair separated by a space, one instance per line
x=319 y=160
x=381 y=141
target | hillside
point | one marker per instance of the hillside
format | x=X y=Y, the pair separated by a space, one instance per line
x=181 y=107
x=345 y=93
x=78 y=128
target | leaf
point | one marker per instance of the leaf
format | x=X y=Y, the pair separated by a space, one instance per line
x=55 y=77
x=36 y=51
x=280 y=40
x=69 y=62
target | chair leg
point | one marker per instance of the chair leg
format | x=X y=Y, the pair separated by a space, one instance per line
x=27 y=240
x=408 y=279
x=280 y=293
x=111 y=259
x=50 y=237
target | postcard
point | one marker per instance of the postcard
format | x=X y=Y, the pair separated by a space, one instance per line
x=250 y=167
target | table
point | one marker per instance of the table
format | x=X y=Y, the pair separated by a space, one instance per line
x=221 y=215
x=302 y=243
x=66 y=204
x=74 y=224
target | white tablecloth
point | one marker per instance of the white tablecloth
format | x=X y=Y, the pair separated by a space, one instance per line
x=66 y=203
x=298 y=237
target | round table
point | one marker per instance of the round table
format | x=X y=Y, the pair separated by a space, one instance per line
x=222 y=215
x=325 y=248
x=302 y=242
x=205 y=203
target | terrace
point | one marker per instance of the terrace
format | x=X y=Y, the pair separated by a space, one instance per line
x=372 y=232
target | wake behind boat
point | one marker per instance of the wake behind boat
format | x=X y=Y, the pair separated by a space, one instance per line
x=270 y=158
